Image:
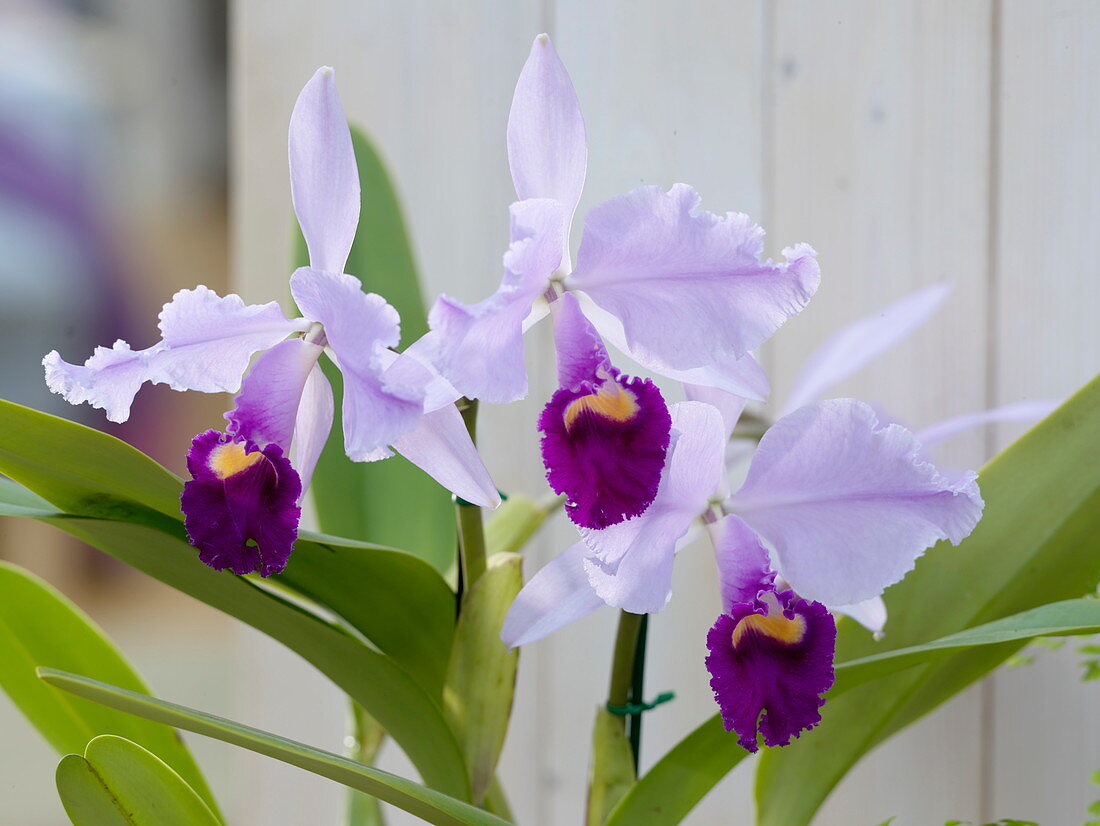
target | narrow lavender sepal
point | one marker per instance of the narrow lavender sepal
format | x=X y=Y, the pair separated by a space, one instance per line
x=241 y=504
x=547 y=153
x=554 y=597
x=871 y=614
x=852 y=347
x=730 y=406
x=847 y=505
x=770 y=661
x=324 y=178
x=479 y=347
x=1030 y=410
x=312 y=424
x=689 y=287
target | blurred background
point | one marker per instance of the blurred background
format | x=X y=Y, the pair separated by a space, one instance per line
x=142 y=150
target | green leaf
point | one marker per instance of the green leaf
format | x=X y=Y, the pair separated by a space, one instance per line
x=16 y=500
x=1073 y=616
x=392 y=502
x=481 y=681
x=118 y=783
x=374 y=680
x=41 y=627
x=425 y=803
x=368 y=736
x=612 y=772
x=681 y=778
x=1038 y=542
x=510 y=526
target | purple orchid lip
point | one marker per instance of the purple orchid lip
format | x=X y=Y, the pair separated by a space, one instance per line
x=241 y=505
x=770 y=660
x=604 y=445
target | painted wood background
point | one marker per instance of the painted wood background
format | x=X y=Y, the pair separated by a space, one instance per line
x=911 y=141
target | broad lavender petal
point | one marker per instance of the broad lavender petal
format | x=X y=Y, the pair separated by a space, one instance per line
x=853 y=347
x=871 y=614
x=360 y=328
x=441 y=446
x=241 y=505
x=743 y=566
x=630 y=564
x=324 y=179
x=546 y=142
x=267 y=406
x=207 y=343
x=554 y=597
x=1025 y=411
x=737 y=376
x=604 y=445
x=479 y=347
x=770 y=661
x=578 y=347
x=108 y=380
x=848 y=506
x=312 y=425
x=689 y=287
x=730 y=406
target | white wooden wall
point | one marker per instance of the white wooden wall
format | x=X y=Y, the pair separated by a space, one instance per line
x=911 y=141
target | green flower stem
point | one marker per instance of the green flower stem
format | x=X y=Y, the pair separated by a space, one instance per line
x=367 y=736
x=637 y=690
x=622 y=662
x=471 y=530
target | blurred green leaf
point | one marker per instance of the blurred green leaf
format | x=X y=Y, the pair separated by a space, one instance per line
x=1038 y=542
x=41 y=627
x=118 y=783
x=612 y=771
x=391 y=502
x=481 y=681
x=425 y=803
x=510 y=526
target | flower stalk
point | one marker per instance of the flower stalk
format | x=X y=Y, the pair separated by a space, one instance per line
x=471 y=529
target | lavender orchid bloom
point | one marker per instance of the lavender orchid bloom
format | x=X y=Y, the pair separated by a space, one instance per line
x=241 y=505
x=835 y=508
x=682 y=292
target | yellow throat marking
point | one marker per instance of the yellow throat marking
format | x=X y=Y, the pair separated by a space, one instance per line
x=230 y=459
x=612 y=401
x=777 y=626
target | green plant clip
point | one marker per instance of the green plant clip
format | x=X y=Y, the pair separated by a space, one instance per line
x=638 y=708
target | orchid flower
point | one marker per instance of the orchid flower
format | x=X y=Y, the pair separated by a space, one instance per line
x=241 y=505
x=682 y=292
x=834 y=509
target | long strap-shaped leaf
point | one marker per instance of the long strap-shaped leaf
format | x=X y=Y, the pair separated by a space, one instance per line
x=681 y=778
x=432 y=806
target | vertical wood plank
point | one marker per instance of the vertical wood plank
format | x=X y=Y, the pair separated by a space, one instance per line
x=880 y=140
x=671 y=92
x=1045 y=728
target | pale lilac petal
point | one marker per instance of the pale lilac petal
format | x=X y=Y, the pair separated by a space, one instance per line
x=313 y=424
x=360 y=327
x=1025 y=411
x=441 y=446
x=856 y=345
x=207 y=343
x=688 y=286
x=739 y=376
x=730 y=406
x=546 y=142
x=479 y=347
x=556 y=596
x=209 y=340
x=267 y=406
x=743 y=567
x=871 y=614
x=630 y=564
x=578 y=347
x=847 y=506
x=324 y=180
x=108 y=380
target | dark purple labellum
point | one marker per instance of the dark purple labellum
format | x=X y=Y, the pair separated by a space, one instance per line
x=241 y=506
x=604 y=446
x=772 y=656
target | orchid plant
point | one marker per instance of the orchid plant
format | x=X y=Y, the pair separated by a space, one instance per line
x=839 y=502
